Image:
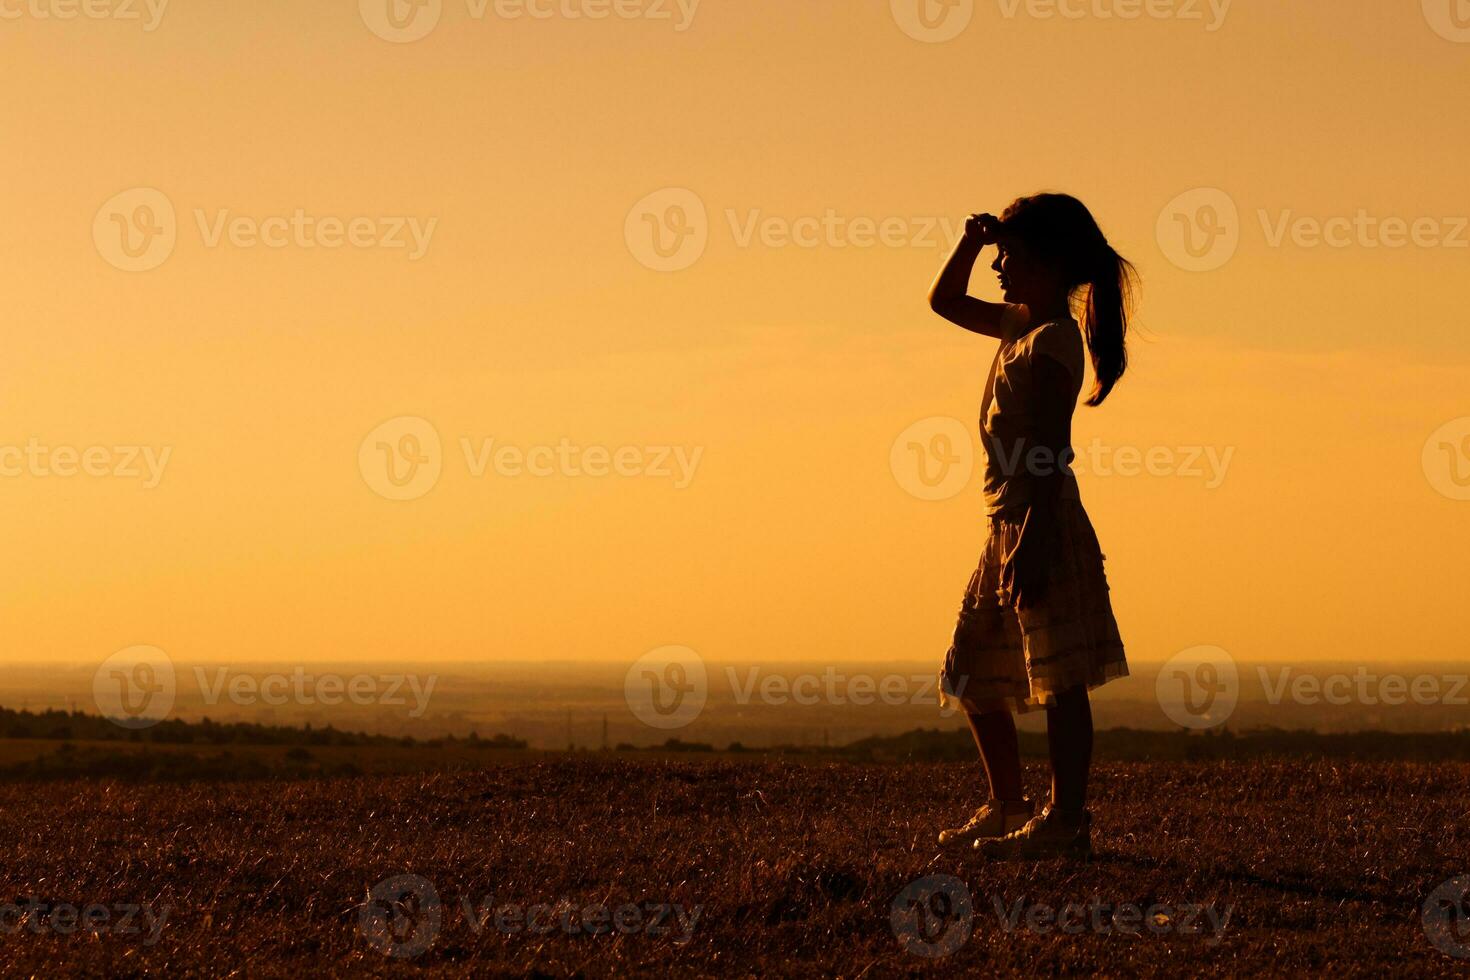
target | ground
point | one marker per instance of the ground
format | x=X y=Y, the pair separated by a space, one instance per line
x=785 y=869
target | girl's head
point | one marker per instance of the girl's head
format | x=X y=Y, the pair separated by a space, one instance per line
x=1050 y=249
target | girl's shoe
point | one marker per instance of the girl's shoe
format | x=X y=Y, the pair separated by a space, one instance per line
x=1051 y=833
x=994 y=820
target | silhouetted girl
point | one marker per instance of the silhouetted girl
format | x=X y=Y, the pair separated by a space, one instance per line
x=1036 y=628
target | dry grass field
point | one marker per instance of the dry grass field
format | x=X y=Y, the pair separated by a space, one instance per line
x=603 y=867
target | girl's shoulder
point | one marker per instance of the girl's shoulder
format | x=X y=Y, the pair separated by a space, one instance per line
x=1060 y=340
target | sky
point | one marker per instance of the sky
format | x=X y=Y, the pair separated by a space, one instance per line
x=259 y=252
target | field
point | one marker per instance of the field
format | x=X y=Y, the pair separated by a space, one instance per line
x=687 y=868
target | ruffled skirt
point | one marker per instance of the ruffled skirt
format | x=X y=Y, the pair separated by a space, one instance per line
x=1003 y=657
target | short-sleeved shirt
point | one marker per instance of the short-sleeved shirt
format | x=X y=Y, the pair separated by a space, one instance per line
x=1008 y=412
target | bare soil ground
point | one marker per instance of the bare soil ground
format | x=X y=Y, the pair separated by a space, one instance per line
x=603 y=867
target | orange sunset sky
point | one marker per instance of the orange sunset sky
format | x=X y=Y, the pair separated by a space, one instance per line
x=519 y=146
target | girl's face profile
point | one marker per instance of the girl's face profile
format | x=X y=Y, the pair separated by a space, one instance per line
x=1013 y=268
x=1023 y=277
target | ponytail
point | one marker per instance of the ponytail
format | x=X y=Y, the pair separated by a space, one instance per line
x=1105 y=320
x=1061 y=230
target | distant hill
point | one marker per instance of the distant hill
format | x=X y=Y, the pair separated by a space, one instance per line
x=48 y=745
x=1133 y=745
x=77 y=726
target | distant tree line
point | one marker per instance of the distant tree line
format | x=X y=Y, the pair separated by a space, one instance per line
x=69 y=726
x=920 y=745
x=1135 y=745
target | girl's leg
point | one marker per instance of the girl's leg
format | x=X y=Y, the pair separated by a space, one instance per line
x=1000 y=751
x=1064 y=828
x=1069 y=742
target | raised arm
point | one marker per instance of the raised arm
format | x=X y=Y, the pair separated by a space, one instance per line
x=949 y=296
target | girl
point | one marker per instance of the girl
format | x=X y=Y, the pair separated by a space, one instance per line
x=1036 y=627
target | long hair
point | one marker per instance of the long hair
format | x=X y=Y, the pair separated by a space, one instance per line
x=1063 y=234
